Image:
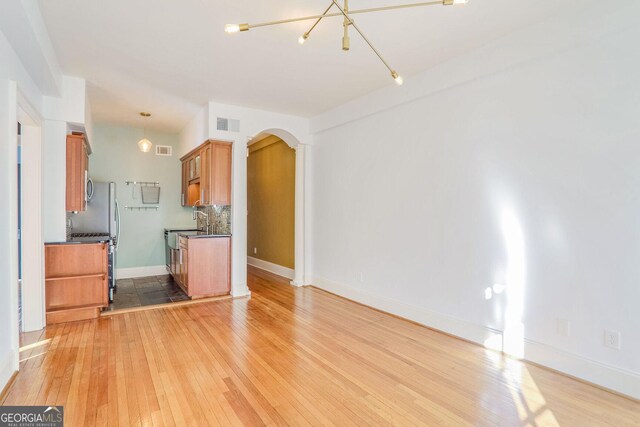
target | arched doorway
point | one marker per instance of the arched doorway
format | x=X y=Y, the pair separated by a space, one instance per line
x=299 y=199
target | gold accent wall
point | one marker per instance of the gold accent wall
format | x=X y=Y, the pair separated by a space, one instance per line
x=270 y=200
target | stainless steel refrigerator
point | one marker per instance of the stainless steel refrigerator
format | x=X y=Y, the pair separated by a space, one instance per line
x=100 y=222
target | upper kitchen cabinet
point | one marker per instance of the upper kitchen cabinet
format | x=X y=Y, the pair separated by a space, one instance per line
x=220 y=173
x=77 y=173
x=206 y=175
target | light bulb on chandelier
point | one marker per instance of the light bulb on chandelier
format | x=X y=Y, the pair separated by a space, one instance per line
x=397 y=77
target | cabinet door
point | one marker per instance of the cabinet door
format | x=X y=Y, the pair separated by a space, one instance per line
x=221 y=174
x=77 y=161
x=209 y=267
x=85 y=175
x=198 y=163
x=76 y=275
x=205 y=175
x=185 y=182
x=192 y=168
x=184 y=272
x=172 y=262
x=178 y=266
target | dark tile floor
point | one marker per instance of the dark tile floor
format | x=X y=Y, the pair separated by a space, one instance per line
x=142 y=291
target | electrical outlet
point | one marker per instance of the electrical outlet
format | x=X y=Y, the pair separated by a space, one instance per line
x=612 y=339
x=255 y=251
x=563 y=327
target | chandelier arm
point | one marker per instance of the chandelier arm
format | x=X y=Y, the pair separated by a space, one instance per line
x=352 y=12
x=288 y=21
x=386 y=64
x=399 y=6
x=319 y=19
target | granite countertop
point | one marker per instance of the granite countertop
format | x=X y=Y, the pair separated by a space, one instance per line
x=93 y=242
x=200 y=234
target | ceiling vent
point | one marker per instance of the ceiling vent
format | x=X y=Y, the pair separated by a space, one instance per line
x=164 y=150
x=228 y=125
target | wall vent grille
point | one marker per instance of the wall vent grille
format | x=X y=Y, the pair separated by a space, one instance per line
x=223 y=124
x=228 y=125
x=164 y=150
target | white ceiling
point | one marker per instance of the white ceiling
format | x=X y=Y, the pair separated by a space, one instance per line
x=170 y=57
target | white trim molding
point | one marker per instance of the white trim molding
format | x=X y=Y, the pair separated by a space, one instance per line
x=300 y=199
x=241 y=291
x=33 y=301
x=622 y=381
x=299 y=218
x=271 y=267
x=152 y=270
x=8 y=367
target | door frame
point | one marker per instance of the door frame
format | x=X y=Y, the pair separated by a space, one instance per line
x=33 y=284
x=299 y=278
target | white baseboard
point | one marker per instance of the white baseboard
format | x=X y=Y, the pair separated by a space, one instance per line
x=153 y=270
x=611 y=377
x=240 y=291
x=620 y=380
x=271 y=267
x=8 y=367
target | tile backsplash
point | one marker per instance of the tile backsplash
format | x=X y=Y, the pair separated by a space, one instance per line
x=219 y=219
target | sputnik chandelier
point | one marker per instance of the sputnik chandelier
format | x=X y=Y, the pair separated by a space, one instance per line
x=346 y=13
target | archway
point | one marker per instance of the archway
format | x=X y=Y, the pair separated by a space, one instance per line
x=299 y=200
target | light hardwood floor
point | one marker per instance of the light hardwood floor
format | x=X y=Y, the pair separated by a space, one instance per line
x=291 y=356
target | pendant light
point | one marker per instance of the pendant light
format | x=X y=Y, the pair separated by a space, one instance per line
x=144 y=144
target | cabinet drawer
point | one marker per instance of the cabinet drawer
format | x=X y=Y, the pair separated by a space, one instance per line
x=75 y=260
x=183 y=242
x=74 y=292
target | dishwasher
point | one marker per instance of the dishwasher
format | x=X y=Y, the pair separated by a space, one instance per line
x=171 y=242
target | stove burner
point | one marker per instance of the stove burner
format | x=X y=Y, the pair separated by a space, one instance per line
x=76 y=235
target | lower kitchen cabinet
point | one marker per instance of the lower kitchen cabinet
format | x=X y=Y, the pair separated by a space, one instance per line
x=76 y=281
x=202 y=266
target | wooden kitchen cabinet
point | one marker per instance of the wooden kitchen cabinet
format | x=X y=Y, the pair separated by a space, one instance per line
x=76 y=281
x=185 y=183
x=206 y=175
x=77 y=173
x=220 y=173
x=204 y=266
x=183 y=257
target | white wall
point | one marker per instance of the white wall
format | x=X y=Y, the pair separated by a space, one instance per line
x=252 y=122
x=15 y=83
x=33 y=304
x=8 y=231
x=513 y=170
x=28 y=71
x=12 y=69
x=70 y=105
x=195 y=132
x=55 y=178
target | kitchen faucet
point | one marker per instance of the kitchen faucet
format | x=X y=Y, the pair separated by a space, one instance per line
x=196 y=212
